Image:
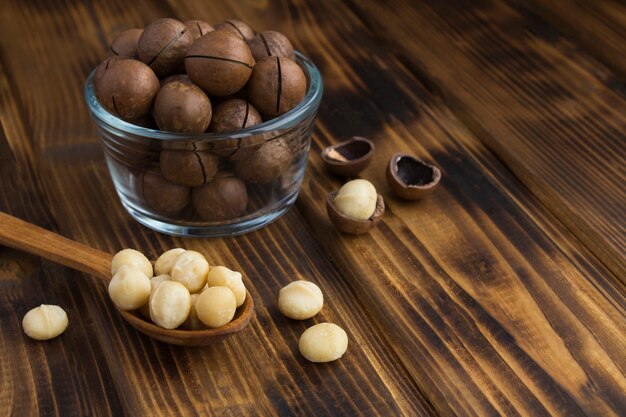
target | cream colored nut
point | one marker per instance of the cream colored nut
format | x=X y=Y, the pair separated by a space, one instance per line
x=216 y=306
x=170 y=303
x=45 y=322
x=144 y=310
x=163 y=265
x=130 y=288
x=357 y=199
x=324 y=342
x=131 y=257
x=191 y=270
x=220 y=276
x=300 y=300
x=193 y=322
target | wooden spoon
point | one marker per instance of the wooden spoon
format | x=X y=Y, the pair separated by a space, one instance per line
x=25 y=236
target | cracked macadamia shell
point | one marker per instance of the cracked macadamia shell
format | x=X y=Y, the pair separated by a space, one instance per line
x=277 y=85
x=125 y=44
x=271 y=43
x=45 y=322
x=189 y=168
x=161 y=195
x=237 y=27
x=224 y=198
x=232 y=115
x=220 y=63
x=163 y=45
x=198 y=28
x=125 y=87
x=182 y=107
x=264 y=164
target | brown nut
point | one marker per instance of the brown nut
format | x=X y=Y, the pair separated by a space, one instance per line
x=125 y=44
x=220 y=63
x=125 y=87
x=351 y=225
x=411 y=178
x=198 y=28
x=238 y=27
x=182 y=107
x=224 y=198
x=189 y=168
x=235 y=114
x=161 y=195
x=163 y=45
x=264 y=164
x=350 y=157
x=271 y=43
x=277 y=85
x=175 y=77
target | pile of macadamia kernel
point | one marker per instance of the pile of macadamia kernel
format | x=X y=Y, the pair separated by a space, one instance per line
x=182 y=290
x=176 y=72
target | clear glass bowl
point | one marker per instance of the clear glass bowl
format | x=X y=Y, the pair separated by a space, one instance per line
x=133 y=156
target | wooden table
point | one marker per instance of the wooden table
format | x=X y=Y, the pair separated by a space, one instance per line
x=500 y=294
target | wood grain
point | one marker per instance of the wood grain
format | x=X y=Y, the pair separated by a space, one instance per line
x=476 y=301
x=599 y=27
x=542 y=106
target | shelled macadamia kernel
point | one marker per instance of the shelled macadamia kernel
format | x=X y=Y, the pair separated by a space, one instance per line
x=216 y=306
x=45 y=322
x=170 y=303
x=220 y=276
x=191 y=270
x=129 y=288
x=165 y=262
x=300 y=300
x=324 y=342
x=131 y=257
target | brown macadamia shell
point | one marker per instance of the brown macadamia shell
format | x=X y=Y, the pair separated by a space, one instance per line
x=175 y=77
x=224 y=198
x=125 y=44
x=198 y=28
x=163 y=45
x=237 y=27
x=189 y=168
x=125 y=87
x=161 y=195
x=220 y=63
x=271 y=43
x=264 y=164
x=182 y=107
x=234 y=114
x=277 y=85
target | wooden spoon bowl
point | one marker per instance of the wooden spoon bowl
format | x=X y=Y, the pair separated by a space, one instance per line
x=25 y=236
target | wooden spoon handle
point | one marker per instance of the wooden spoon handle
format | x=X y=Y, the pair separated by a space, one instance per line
x=26 y=236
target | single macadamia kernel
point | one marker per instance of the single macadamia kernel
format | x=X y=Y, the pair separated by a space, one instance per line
x=198 y=28
x=191 y=270
x=45 y=322
x=220 y=276
x=125 y=87
x=129 y=288
x=224 y=198
x=125 y=44
x=161 y=195
x=193 y=322
x=271 y=43
x=277 y=85
x=220 y=63
x=131 y=257
x=144 y=310
x=324 y=342
x=182 y=107
x=216 y=306
x=189 y=168
x=300 y=300
x=163 y=45
x=357 y=199
x=163 y=265
x=237 y=27
x=170 y=303
x=234 y=114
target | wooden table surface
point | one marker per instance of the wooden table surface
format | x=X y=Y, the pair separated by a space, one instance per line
x=503 y=293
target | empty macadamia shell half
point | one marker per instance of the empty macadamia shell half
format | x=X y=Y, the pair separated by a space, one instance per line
x=351 y=225
x=411 y=178
x=350 y=157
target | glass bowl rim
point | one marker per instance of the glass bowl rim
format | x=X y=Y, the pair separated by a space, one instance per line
x=309 y=104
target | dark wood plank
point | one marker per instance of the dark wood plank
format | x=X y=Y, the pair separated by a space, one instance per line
x=542 y=106
x=599 y=27
x=258 y=372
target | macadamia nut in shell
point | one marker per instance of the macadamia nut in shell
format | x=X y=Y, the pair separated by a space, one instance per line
x=271 y=43
x=300 y=300
x=191 y=270
x=182 y=107
x=224 y=198
x=170 y=303
x=216 y=306
x=324 y=342
x=129 y=288
x=357 y=199
x=125 y=44
x=163 y=45
x=277 y=85
x=264 y=164
x=45 y=322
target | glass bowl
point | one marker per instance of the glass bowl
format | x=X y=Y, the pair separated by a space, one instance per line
x=227 y=204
